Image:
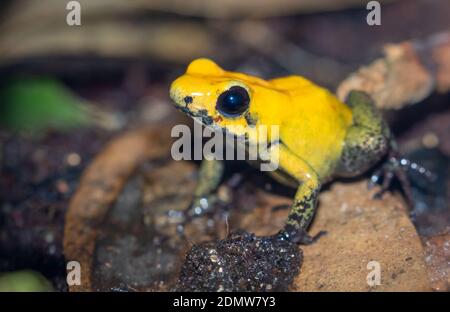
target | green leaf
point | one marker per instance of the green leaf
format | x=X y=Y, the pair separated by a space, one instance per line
x=26 y=280
x=34 y=104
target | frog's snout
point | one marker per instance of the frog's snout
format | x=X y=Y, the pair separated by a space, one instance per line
x=179 y=97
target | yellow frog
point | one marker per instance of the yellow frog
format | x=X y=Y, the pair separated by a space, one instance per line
x=319 y=137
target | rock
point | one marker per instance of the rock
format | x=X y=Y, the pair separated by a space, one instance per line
x=437 y=258
x=361 y=230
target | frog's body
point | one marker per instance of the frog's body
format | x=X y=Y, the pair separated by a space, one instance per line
x=319 y=137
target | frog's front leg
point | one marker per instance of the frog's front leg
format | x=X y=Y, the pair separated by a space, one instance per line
x=210 y=174
x=305 y=201
x=209 y=177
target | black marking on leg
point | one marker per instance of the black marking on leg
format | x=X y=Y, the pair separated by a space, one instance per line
x=302 y=212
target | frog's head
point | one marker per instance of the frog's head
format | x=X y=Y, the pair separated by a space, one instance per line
x=234 y=102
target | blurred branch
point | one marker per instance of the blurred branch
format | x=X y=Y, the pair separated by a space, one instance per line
x=407 y=73
x=123 y=29
x=260 y=37
x=165 y=40
x=43 y=10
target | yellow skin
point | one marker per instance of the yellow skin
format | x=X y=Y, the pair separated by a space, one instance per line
x=319 y=136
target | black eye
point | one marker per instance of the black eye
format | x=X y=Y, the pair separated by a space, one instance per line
x=233 y=102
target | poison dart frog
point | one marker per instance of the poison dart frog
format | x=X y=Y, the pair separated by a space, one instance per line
x=319 y=137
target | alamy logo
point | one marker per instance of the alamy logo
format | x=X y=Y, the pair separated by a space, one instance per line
x=261 y=144
x=73 y=269
x=73 y=17
x=374 y=276
x=374 y=16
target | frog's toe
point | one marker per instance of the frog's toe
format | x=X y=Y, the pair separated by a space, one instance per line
x=180 y=228
x=387 y=180
x=298 y=236
x=201 y=205
x=176 y=216
x=394 y=167
x=379 y=195
x=374 y=179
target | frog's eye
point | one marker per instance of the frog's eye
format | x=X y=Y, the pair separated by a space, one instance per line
x=233 y=102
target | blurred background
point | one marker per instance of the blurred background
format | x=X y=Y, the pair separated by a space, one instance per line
x=65 y=91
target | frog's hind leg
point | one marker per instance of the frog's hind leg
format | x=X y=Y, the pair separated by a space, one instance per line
x=397 y=166
x=367 y=141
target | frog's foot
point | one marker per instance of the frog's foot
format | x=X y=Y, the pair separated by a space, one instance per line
x=397 y=167
x=390 y=169
x=199 y=207
x=298 y=236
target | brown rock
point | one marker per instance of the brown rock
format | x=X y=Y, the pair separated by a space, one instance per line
x=393 y=81
x=437 y=258
x=361 y=230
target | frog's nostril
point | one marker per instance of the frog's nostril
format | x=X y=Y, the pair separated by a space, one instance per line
x=187 y=100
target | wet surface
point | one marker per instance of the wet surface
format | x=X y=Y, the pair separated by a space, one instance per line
x=135 y=250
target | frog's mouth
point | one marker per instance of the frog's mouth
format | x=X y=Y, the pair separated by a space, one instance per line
x=201 y=115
